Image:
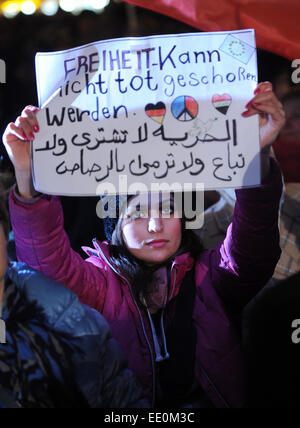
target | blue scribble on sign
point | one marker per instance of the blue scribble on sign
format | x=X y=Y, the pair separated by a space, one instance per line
x=237 y=49
x=2 y=71
x=2 y=332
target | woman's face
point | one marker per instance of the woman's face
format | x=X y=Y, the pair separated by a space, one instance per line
x=150 y=230
x=291 y=130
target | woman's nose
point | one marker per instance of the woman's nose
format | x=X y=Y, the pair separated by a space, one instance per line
x=155 y=224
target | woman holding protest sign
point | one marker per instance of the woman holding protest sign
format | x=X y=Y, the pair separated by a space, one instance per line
x=173 y=307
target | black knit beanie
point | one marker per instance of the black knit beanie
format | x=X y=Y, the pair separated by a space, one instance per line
x=113 y=204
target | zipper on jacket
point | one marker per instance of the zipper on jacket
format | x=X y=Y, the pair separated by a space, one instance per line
x=203 y=369
x=146 y=336
x=140 y=316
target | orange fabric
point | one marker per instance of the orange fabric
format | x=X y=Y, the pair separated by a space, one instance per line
x=277 y=22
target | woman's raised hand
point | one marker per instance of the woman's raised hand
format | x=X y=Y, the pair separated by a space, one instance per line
x=18 y=135
x=271 y=119
x=16 y=140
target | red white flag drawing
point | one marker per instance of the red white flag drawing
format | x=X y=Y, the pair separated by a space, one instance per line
x=276 y=21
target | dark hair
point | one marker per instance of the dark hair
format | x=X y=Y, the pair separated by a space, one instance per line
x=140 y=275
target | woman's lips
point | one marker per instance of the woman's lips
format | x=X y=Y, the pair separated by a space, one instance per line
x=157 y=244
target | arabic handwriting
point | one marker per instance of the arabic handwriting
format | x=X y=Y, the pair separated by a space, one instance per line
x=63 y=169
x=116 y=138
x=60 y=142
x=139 y=168
x=237 y=164
x=161 y=132
x=219 y=163
x=144 y=167
x=235 y=142
x=142 y=138
x=169 y=166
x=202 y=166
x=209 y=138
x=196 y=161
x=113 y=162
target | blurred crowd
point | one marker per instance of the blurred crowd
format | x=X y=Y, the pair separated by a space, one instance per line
x=22 y=37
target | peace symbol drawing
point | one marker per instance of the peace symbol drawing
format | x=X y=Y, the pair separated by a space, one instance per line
x=222 y=103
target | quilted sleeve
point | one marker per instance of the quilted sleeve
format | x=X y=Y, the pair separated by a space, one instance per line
x=43 y=244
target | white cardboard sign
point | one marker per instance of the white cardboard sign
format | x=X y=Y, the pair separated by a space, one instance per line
x=147 y=111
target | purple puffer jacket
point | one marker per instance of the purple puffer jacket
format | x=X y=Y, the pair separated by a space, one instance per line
x=227 y=278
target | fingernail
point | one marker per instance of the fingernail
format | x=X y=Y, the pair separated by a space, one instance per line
x=24 y=136
x=257 y=91
x=246 y=113
x=31 y=136
x=248 y=105
x=36 y=128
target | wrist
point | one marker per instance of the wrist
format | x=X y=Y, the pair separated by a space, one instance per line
x=25 y=186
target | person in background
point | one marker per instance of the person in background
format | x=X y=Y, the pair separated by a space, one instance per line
x=271 y=321
x=57 y=353
x=272 y=346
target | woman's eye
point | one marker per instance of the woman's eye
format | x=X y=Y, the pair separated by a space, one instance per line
x=168 y=210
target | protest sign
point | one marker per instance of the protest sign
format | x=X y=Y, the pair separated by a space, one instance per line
x=2 y=71
x=147 y=111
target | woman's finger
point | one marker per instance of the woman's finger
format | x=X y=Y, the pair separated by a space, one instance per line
x=277 y=114
x=264 y=87
x=265 y=108
x=269 y=108
x=31 y=108
x=266 y=102
x=26 y=127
